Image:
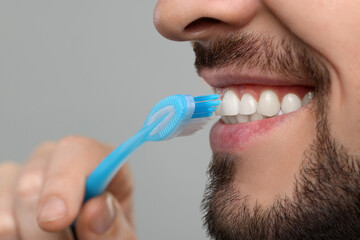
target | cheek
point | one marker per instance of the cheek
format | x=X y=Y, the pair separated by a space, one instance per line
x=331 y=28
x=328 y=26
x=344 y=111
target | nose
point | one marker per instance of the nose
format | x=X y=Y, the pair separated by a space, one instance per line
x=183 y=20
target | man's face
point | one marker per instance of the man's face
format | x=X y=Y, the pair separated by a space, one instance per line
x=293 y=175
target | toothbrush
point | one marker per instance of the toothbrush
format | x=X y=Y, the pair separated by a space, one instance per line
x=177 y=115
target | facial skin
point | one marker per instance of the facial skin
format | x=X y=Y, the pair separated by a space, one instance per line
x=294 y=176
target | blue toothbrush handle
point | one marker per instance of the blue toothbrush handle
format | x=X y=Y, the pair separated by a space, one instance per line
x=102 y=175
x=100 y=178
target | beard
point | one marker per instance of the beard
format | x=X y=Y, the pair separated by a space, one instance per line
x=325 y=203
x=326 y=199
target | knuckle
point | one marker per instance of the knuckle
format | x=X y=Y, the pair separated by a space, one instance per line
x=7 y=224
x=45 y=146
x=75 y=141
x=43 y=150
x=57 y=181
x=8 y=166
x=78 y=144
x=30 y=183
x=5 y=199
x=53 y=178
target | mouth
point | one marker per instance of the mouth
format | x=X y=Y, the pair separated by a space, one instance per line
x=253 y=105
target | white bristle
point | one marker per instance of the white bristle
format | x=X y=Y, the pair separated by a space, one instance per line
x=194 y=125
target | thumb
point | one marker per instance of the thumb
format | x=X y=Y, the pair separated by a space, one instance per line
x=103 y=218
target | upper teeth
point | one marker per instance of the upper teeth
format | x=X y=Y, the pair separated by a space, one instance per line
x=248 y=105
x=290 y=103
x=230 y=104
x=269 y=104
x=307 y=98
x=233 y=110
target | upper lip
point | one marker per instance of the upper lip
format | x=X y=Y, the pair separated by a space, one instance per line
x=224 y=77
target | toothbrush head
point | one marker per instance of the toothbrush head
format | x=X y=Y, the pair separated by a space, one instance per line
x=181 y=115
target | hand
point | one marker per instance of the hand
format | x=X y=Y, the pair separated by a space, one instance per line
x=42 y=198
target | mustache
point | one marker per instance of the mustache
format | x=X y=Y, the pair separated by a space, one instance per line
x=284 y=56
x=280 y=55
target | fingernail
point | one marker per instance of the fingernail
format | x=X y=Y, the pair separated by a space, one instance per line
x=104 y=217
x=53 y=209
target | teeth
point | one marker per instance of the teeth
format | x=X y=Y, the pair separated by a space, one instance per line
x=218 y=110
x=230 y=104
x=256 y=116
x=269 y=104
x=225 y=119
x=242 y=118
x=307 y=98
x=232 y=110
x=248 y=104
x=232 y=119
x=290 y=103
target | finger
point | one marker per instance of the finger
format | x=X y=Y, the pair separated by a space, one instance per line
x=63 y=191
x=122 y=188
x=8 y=172
x=27 y=195
x=103 y=218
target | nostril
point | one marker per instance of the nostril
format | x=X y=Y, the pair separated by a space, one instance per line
x=201 y=23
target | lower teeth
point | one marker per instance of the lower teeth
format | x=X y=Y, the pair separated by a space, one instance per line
x=242 y=118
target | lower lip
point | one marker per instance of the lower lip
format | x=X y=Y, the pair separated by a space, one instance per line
x=237 y=137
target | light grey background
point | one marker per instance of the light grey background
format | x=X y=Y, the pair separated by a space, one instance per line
x=96 y=68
